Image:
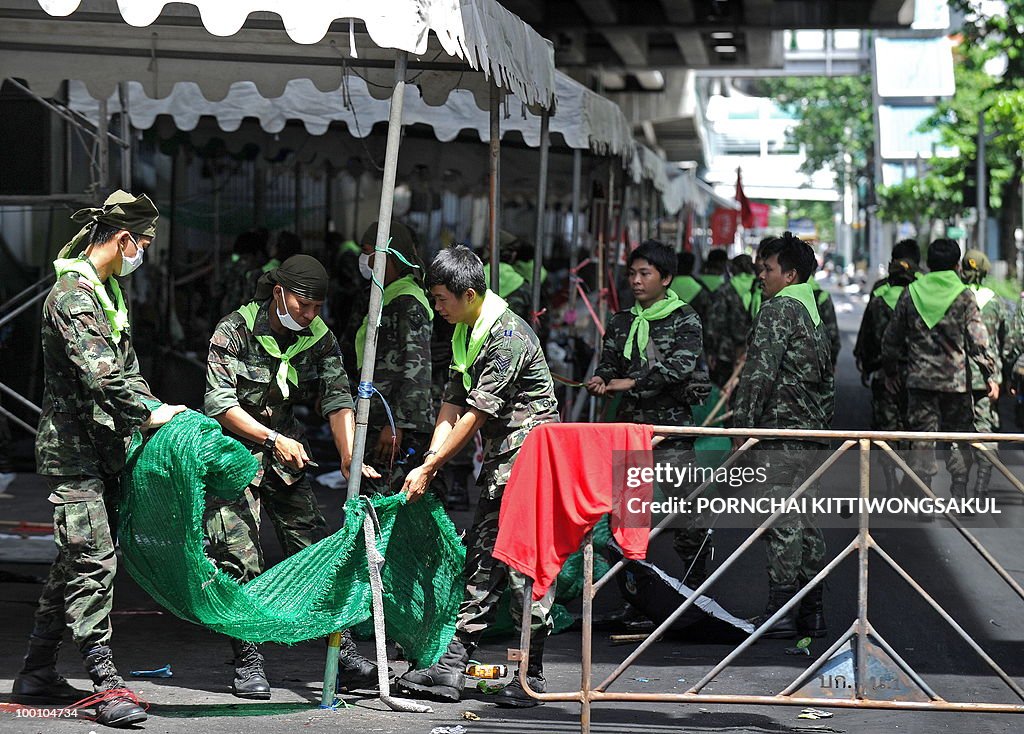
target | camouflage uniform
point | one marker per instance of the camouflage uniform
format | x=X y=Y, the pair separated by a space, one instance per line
x=787 y=383
x=938 y=384
x=520 y=301
x=513 y=386
x=92 y=404
x=669 y=381
x=888 y=410
x=729 y=323
x=701 y=302
x=241 y=373
x=239 y=283
x=402 y=375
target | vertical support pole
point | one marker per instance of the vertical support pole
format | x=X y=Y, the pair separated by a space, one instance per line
x=493 y=171
x=982 y=185
x=542 y=199
x=126 y=138
x=298 y=199
x=259 y=192
x=216 y=221
x=621 y=238
x=574 y=246
x=588 y=632
x=102 y=148
x=328 y=213
x=365 y=392
x=863 y=542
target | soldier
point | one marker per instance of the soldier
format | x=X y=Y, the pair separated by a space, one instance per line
x=730 y=319
x=888 y=409
x=936 y=329
x=787 y=383
x=973 y=270
x=238 y=276
x=652 y=356
x=512 y=287
x=827 y=310
x=712 y=275
x=500 y=385
x=402 y=370
x=264 y=358
x=94 y=400
x=689 y=289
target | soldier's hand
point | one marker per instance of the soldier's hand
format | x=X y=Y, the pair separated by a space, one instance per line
x=162 y=416
x=416 y=483
x=621 y=384
x=596 y=386
x=993 y=390
x=291 y=453
x=382 y=451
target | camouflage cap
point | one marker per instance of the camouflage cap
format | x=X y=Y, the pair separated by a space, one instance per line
x=976 y=260
x=121 y=210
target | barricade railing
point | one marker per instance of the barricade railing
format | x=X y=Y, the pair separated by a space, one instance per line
x=906 y=689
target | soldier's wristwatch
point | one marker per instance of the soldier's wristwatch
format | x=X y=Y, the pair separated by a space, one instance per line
x=271 y=440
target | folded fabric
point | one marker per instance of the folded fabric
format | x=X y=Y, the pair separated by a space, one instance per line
x=568 y=475
x=323 y=588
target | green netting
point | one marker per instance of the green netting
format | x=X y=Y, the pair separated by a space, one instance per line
x=321 y=589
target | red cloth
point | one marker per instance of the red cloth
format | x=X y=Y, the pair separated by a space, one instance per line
x=564 y=480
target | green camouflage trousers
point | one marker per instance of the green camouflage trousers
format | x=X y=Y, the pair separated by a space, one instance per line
x=79 y=590
x=795 y=546
x=930 y=410
x=233 y=528
x=486 y=577
x=888 y=410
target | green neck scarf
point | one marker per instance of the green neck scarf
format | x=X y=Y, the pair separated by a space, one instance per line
x=463 y=356
x=712 y=282
x=756 y=297
x=285 y=373
x=743 y=283
x=984 y=294
x=405 y=286
x=642 y=318
x=686 y=287
x=271 y=265
x=803 y=293
x=890 y=294
x=350 y=247
x=509 y=280
x=115 y=309
x=525 y=269
x=933 y=294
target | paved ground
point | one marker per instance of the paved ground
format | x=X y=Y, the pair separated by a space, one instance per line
x=197 y=697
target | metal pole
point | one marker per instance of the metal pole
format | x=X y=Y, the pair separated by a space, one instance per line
x=102 y=146
x=621 y=237
x=982 y=184
x=23 y=400
x=588 y=631
x=10 y=316
x=126 y=138
x=494 y=162
x=20 y=294
x=574 y=257
x=542 y=198
x=861 y=658
x=370 y=351
x=18 y=421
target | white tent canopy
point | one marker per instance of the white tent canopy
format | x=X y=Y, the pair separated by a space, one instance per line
x=103 y=42
x=585 y=120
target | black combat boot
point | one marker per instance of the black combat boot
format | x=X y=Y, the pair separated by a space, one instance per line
x=785 y=627
x=513 y=695
x=120 y=709
x=810 y=617
x=250 y=680
x=38 y=681
x=355 y=671
x=443 y=680
x=893 y=487
x=958 y=489
x=983 y=479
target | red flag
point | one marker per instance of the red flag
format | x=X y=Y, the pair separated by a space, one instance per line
x=723 y=226
x=746 y=213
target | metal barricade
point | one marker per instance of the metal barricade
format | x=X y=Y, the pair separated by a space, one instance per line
x=878 y=677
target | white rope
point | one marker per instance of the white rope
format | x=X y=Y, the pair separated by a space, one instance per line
x=374 y=561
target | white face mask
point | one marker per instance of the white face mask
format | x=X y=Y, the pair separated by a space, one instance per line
x=364 y=266
x=131 y=264
x=286 y=318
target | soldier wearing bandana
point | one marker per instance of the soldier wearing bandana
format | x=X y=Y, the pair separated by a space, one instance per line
x=499 y=384
x=94 y=400
x=266 y=357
